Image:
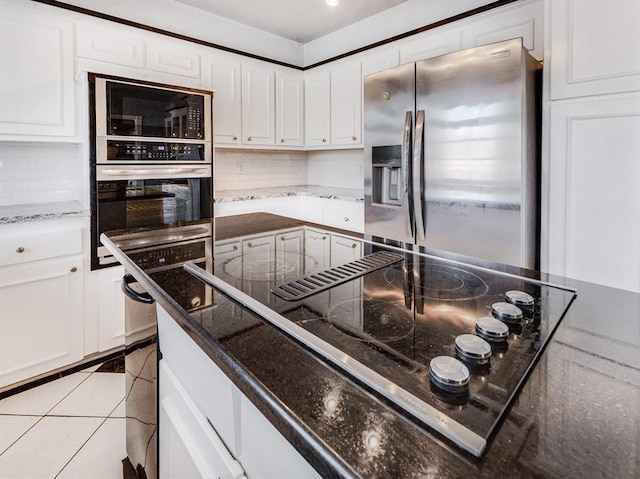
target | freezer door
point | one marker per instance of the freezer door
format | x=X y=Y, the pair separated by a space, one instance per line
x=389 y=102
x=478 y=175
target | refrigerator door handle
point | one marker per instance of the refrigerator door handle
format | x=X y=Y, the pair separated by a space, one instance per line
x=418 y=175
x=406 y=175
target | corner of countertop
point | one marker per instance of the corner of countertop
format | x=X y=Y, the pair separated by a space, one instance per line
x=25 y=213
x=344 y=194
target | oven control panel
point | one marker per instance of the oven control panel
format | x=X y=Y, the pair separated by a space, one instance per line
x=150 y=151
x=162 y=256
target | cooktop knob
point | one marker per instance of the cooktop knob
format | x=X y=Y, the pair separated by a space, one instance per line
x=473 y=348
x=520 y=298
x=492 y=329
x=449 y=373
x=506 y=312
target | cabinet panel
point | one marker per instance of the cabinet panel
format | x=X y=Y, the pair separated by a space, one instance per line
x=258 y=105
x=41 y=325
x=36 y=78
x=594 y=47
x=346 y=105
x=111 y=308
x=226 y=82
x=429 y=45
x=21 y=247
x=525 y=22
x=167 y=57
x=289 y=256
x=106 y=46
x=317 y=251
x=344 y=250
x=289 y=109
x=317 y=94
x=376 y=62
x=594 y=213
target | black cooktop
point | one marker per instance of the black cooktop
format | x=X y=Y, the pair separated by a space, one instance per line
x=446 y=344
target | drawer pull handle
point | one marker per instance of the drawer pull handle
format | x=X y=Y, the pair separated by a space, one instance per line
x=324 y=140
x=249 y=138
x=346 y=218
x=20 y=249
x=235 y=137
x=353 y=138
x=74 y=269
x=354 y=246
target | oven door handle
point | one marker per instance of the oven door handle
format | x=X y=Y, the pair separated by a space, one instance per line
x=145 y=297
x=138 y=172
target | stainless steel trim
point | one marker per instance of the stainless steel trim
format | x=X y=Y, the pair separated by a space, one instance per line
x=430 y=416
x=143 y=172
x=406 y=177
x=418 y=172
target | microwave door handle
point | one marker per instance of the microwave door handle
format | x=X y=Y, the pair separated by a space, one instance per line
x=406 y=174
x=418 y=175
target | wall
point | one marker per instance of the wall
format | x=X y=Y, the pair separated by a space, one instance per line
x=245 y=169
x=40 y=173
x=336 y=168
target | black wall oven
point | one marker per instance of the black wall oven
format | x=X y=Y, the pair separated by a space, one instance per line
x=151 y=165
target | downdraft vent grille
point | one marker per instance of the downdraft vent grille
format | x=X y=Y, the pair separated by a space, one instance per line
x=329 y=278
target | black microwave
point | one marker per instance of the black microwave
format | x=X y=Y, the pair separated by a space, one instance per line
x=149 y=122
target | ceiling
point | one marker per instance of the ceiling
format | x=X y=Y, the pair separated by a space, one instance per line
x=299 y=20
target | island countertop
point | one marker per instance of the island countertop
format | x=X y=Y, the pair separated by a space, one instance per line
x=576 y=415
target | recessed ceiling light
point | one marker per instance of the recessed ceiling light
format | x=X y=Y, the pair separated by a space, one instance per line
x=333 y=3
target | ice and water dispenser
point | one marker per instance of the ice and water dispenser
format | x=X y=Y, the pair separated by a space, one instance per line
x=387 y=175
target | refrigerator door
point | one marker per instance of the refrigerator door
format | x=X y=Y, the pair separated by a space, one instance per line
x=389 y=101
x=478 y=180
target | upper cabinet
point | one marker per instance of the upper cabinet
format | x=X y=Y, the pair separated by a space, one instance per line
x=317 y=102
x=289 y=108
x=429 y=45
x=258 y=105
x=333 y=106
x=36 y=78
x=225 y=79
x=594 y=47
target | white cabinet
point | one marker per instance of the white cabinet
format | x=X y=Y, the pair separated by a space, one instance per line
x=347 y=215
x=594 y=199
x=344 y=250
x=317 y=102
x=333 y=106
x=41 y=293
x=526 y=22
x=289 y=108
x=189 y=446
x=111 y=304
x=429 y=45
x=594 y=47
x=317 y=250
x=380 y=60
x=346 y=105
x=289 y=255
x=110 y=45
x=225 y=79
x=254 y=268
x=36 y=78
x=258 y=105
x=175 y=58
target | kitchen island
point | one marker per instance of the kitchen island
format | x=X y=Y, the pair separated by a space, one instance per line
x=576 y=415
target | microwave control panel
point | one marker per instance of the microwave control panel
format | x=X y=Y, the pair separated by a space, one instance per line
x=154 y=151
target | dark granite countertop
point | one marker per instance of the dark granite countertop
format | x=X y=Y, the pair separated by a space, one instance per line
x=576 y=416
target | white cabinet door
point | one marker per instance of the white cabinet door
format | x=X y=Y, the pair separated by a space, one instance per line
x=348 y=215
x=41 y=323
x=526 y=22
x=344 y=250
x=594 y=47
x=258 y=105
x=36 y=77
x=258 y=253
x=317 y=250
x=289 y=255
x=346 y=105
x=226 y=82
x=173 y=57
x=289 y=108
x=378 y=61
x=110 y=307
x=109 y=45
x=594 y=199
x=429 y=45
x=317 y=113
x=189 y=446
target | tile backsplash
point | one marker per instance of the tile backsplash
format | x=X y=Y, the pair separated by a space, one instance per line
x=41 y=173
x=244 y=169
x=336 y=168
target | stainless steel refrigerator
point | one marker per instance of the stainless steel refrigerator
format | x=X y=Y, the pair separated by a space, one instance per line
x=451 y=155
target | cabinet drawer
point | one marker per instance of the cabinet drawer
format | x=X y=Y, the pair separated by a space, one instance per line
x=21 y=248
x=348 y=215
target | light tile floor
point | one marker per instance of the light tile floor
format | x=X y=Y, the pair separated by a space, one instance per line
x=73 y=427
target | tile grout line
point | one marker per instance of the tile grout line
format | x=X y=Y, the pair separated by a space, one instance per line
x=80 y=448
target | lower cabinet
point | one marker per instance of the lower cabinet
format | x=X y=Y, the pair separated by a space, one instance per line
x=41 y=320
x=110 y=307
x=189 y=445
x=208 y=428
